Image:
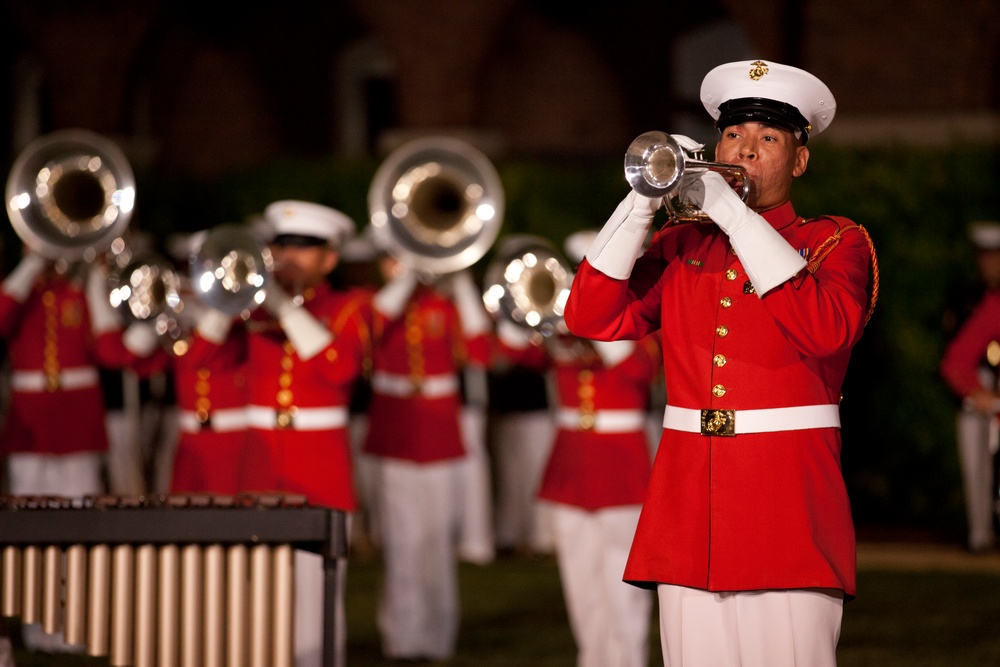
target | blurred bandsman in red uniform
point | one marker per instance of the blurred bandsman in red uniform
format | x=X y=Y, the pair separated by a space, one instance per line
x=421 y=339
x=746 y=531
x=595 y=479
x=59 y=329
x=303 y=351
x=210 y=398
x=969 y=366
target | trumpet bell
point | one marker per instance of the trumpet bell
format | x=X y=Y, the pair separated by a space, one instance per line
x=70 y=194
x=529 y=286
x=147 y=289
x=436 y=204
x=231 y=270
x=655 y=164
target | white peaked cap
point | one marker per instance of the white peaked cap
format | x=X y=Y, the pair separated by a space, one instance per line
x=304 y=218
x=768 y=92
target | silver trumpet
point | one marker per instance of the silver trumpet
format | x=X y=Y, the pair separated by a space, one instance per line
x=232 y=270
x=655 y=164
x=528 y=283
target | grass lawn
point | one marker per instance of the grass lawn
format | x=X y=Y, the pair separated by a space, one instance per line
x=908 y=612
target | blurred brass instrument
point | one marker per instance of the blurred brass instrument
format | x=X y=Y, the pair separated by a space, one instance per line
x=70 y=194
x=528 y=284
x=146 y=288
x=655 y=164
x=436 y=204
x=231 y=271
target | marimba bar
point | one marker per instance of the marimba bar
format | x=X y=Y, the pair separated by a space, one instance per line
x=168 y=581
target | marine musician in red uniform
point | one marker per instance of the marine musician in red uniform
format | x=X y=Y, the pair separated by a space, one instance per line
x=746 y=530
x=421 y=339
x=303 y=352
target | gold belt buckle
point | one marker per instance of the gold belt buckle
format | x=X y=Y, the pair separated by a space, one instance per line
x=587 y=420
x=718 y=422
x=284 y=419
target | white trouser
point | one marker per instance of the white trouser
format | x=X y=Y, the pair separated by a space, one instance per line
x=71 y=475
x=309 y=599
x=790 y=628
x=609 y=618
x=418 y=607
x=476 y=539
x=522 y=442
x=976 y=462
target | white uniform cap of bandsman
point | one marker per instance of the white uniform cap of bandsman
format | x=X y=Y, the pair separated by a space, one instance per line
x=985 y=235
x=577 y=243
x=302 y=218
x=762 y=91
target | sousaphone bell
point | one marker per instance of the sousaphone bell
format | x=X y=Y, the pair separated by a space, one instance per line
x=436 y=204
x=70 y=194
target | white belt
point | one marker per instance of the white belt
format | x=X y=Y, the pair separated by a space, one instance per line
x=82 y=377
x=601 y=421
x=404 y=386
x=225 y=420
x=299 y=419
x=735 y=422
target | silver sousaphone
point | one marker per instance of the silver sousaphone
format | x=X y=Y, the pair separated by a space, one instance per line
x=436 y=204
x=231 y=270
x=70 y=194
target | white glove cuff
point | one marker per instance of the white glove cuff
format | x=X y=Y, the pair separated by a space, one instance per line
x=103 y=316
x=214 y=325
x=20 y=281
x=391 y=299
x=140 y=339
x=619 y=243
x=766 y=256
x=307 y=334
x=469 y=304
x=613 y=352
x=514 y=336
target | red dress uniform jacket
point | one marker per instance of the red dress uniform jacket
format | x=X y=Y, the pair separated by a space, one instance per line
x=755 y=510
x=290 y=453
x=211 y=403
x=56 y=405
x=959 y=365
x=598 y=463
x=416 y=394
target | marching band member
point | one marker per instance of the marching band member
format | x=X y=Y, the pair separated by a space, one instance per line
x=59 y=329
x=746 y=530
x=303 y=352
x=969 y=366
x=595 y=480
x=421 y=339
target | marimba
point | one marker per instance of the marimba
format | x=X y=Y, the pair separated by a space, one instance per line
x=168 y=581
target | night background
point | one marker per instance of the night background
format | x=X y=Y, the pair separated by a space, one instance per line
x=224 y=108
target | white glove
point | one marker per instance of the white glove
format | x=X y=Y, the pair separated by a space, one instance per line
x=140 y=338
x=214 y=325
x=766 y=256
x=391 y=299
x=469 y=303
x=308 y=335
x=620 y=242
x=103 y=316
x=20 y=281
x=687 y=143
x=514 y=336
x=613 y=352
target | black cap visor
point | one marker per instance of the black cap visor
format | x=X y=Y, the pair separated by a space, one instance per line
x=297 y=241
x=760 y=110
